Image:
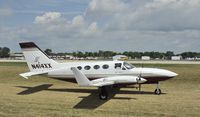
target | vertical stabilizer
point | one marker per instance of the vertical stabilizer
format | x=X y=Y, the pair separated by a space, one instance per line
x=36 y=59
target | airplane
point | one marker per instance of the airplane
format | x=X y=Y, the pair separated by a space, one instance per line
x=101 y=74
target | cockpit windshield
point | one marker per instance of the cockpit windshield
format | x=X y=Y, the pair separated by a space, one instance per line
x=128 y=66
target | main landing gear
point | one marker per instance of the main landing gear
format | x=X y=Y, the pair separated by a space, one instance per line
x=103 y=95
x=158 y=90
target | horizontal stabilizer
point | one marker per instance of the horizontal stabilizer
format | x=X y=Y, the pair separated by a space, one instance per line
x=27 y=74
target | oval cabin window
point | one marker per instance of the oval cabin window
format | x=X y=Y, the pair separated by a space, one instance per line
x=105 y=66
x=79 y=67
x=87 y=67
x=96 y=67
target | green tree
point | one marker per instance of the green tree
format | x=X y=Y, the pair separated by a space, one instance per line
x=74 y=54
x=100 y=53
x=48 y=51
x=189 y=54
x=107 y=54
x=95 y=54
x=169 y=54
x=80 y=54
x=4 y=52
x=0 y=52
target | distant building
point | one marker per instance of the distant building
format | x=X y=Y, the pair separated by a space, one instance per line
x=192 y=59
x=91 y=58
x=145 y=58
x=197 y=58
x=120 y=57
x=189 y=59
x=70 y=57
x=17 y=56
x=61 y=57
x=176 y=58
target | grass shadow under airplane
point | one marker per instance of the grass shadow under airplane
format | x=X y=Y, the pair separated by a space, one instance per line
x=31 y=90
x=91 y=101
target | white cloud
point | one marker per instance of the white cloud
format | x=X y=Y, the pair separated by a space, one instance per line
x=159 y=15
x=105 y=7
x=104 y=10
x=47 y=18
x=93 y=27
x=78 y=21
x=120 y=25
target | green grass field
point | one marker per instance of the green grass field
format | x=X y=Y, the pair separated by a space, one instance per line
x=49 y=97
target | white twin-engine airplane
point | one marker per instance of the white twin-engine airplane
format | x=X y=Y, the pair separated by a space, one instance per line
x=96 y=74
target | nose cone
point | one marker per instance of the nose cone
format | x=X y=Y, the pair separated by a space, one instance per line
x=171 y=74
x=154 y=72
x=167 y=73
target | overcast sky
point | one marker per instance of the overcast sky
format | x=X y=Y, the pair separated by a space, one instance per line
x=92 y=25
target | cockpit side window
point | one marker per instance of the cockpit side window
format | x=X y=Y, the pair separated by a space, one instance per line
x=118 y=65
x=123 y=68
x=128 y=66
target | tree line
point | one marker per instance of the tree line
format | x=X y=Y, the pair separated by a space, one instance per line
x=133 y=55
x=4 y=52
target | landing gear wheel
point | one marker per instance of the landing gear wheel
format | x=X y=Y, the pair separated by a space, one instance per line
x=157 y=91
x=103 y=96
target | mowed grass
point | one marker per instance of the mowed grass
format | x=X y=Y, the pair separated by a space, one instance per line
x=50 y=97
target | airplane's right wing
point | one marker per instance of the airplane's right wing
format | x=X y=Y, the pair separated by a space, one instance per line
x=82 y=80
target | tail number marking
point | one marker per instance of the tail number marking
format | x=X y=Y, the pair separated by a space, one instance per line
x=41 y=66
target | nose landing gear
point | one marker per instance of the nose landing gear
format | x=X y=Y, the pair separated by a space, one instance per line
x=158 y=90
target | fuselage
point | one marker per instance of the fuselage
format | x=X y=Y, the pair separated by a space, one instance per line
x=99 y=69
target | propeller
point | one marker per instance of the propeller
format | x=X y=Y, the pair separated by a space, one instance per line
x=139 y=79
x=139 y=76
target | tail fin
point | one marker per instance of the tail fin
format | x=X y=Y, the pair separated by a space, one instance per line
x=81 y=79
x=36 y=59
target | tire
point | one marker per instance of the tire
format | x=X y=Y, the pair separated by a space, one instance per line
x=103 y=96
x=157 y=91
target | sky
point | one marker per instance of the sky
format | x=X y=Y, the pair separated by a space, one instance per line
x=92 y=25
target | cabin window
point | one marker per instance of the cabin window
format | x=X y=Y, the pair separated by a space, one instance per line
x=105 y=66
x=118 y=65
x=79 y=67
x=96 y=67
x=128 y=66
x=87 y=67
